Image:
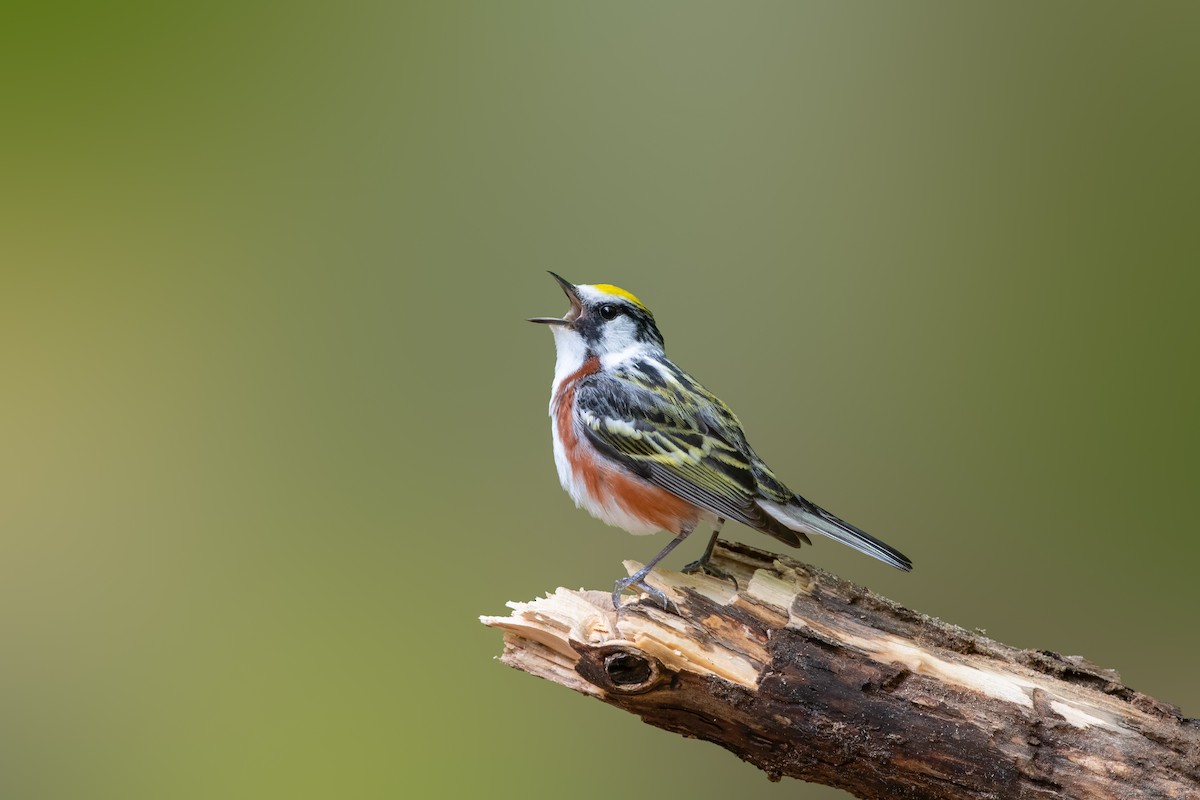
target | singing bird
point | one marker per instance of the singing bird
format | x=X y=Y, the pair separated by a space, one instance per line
x=641 y=445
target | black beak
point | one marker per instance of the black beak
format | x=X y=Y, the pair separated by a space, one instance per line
x=572 y=295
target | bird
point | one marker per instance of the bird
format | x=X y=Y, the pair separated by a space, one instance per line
x=642 y=445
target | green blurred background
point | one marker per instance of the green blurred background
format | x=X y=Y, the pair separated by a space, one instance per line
x=274 y=430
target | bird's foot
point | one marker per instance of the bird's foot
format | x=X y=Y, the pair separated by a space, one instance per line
x=637 y=581
x=703 y=566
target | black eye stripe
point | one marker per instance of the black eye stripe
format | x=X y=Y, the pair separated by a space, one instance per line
x=592 y=324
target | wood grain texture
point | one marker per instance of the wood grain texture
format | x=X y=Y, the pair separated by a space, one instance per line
x=809 y=676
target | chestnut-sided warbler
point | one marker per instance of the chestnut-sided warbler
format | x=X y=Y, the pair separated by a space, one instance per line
x=641 y=445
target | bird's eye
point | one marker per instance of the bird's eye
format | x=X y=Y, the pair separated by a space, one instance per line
x=608 y=312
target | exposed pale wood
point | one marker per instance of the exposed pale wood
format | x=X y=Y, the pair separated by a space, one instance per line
x=809 y=676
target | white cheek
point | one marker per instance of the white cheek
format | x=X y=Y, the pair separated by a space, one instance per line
x=619 y=336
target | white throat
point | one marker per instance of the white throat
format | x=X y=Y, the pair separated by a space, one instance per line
x=571 y=353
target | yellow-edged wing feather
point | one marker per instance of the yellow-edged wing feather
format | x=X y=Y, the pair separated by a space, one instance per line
x=665 y=427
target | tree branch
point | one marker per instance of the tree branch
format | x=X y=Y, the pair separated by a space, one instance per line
x=806 y=675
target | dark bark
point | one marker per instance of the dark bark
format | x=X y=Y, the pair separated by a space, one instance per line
x=809 y=676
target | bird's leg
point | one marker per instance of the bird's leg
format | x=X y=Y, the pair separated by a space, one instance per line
x=703 y=565
x=638 y=579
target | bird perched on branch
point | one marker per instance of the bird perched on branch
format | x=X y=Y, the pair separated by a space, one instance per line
x=641 y=445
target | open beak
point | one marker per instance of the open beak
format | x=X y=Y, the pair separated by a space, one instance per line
x=576 y=306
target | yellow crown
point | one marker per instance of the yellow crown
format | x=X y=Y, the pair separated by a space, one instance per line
x=608 y=288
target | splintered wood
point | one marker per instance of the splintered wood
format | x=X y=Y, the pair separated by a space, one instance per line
x=809 y=676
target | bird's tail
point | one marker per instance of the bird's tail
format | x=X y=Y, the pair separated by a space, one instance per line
x=808 y=518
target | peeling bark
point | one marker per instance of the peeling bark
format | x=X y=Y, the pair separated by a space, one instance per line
x=809 y=676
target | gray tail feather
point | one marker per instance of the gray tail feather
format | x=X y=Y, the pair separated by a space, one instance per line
x=818 y=520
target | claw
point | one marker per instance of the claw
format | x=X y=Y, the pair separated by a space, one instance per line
x=705 y=568
x=635 y=582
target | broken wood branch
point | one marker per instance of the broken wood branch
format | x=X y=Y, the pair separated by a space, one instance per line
x=806 y=675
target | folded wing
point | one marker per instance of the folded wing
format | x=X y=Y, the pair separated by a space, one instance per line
x=685 y=448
